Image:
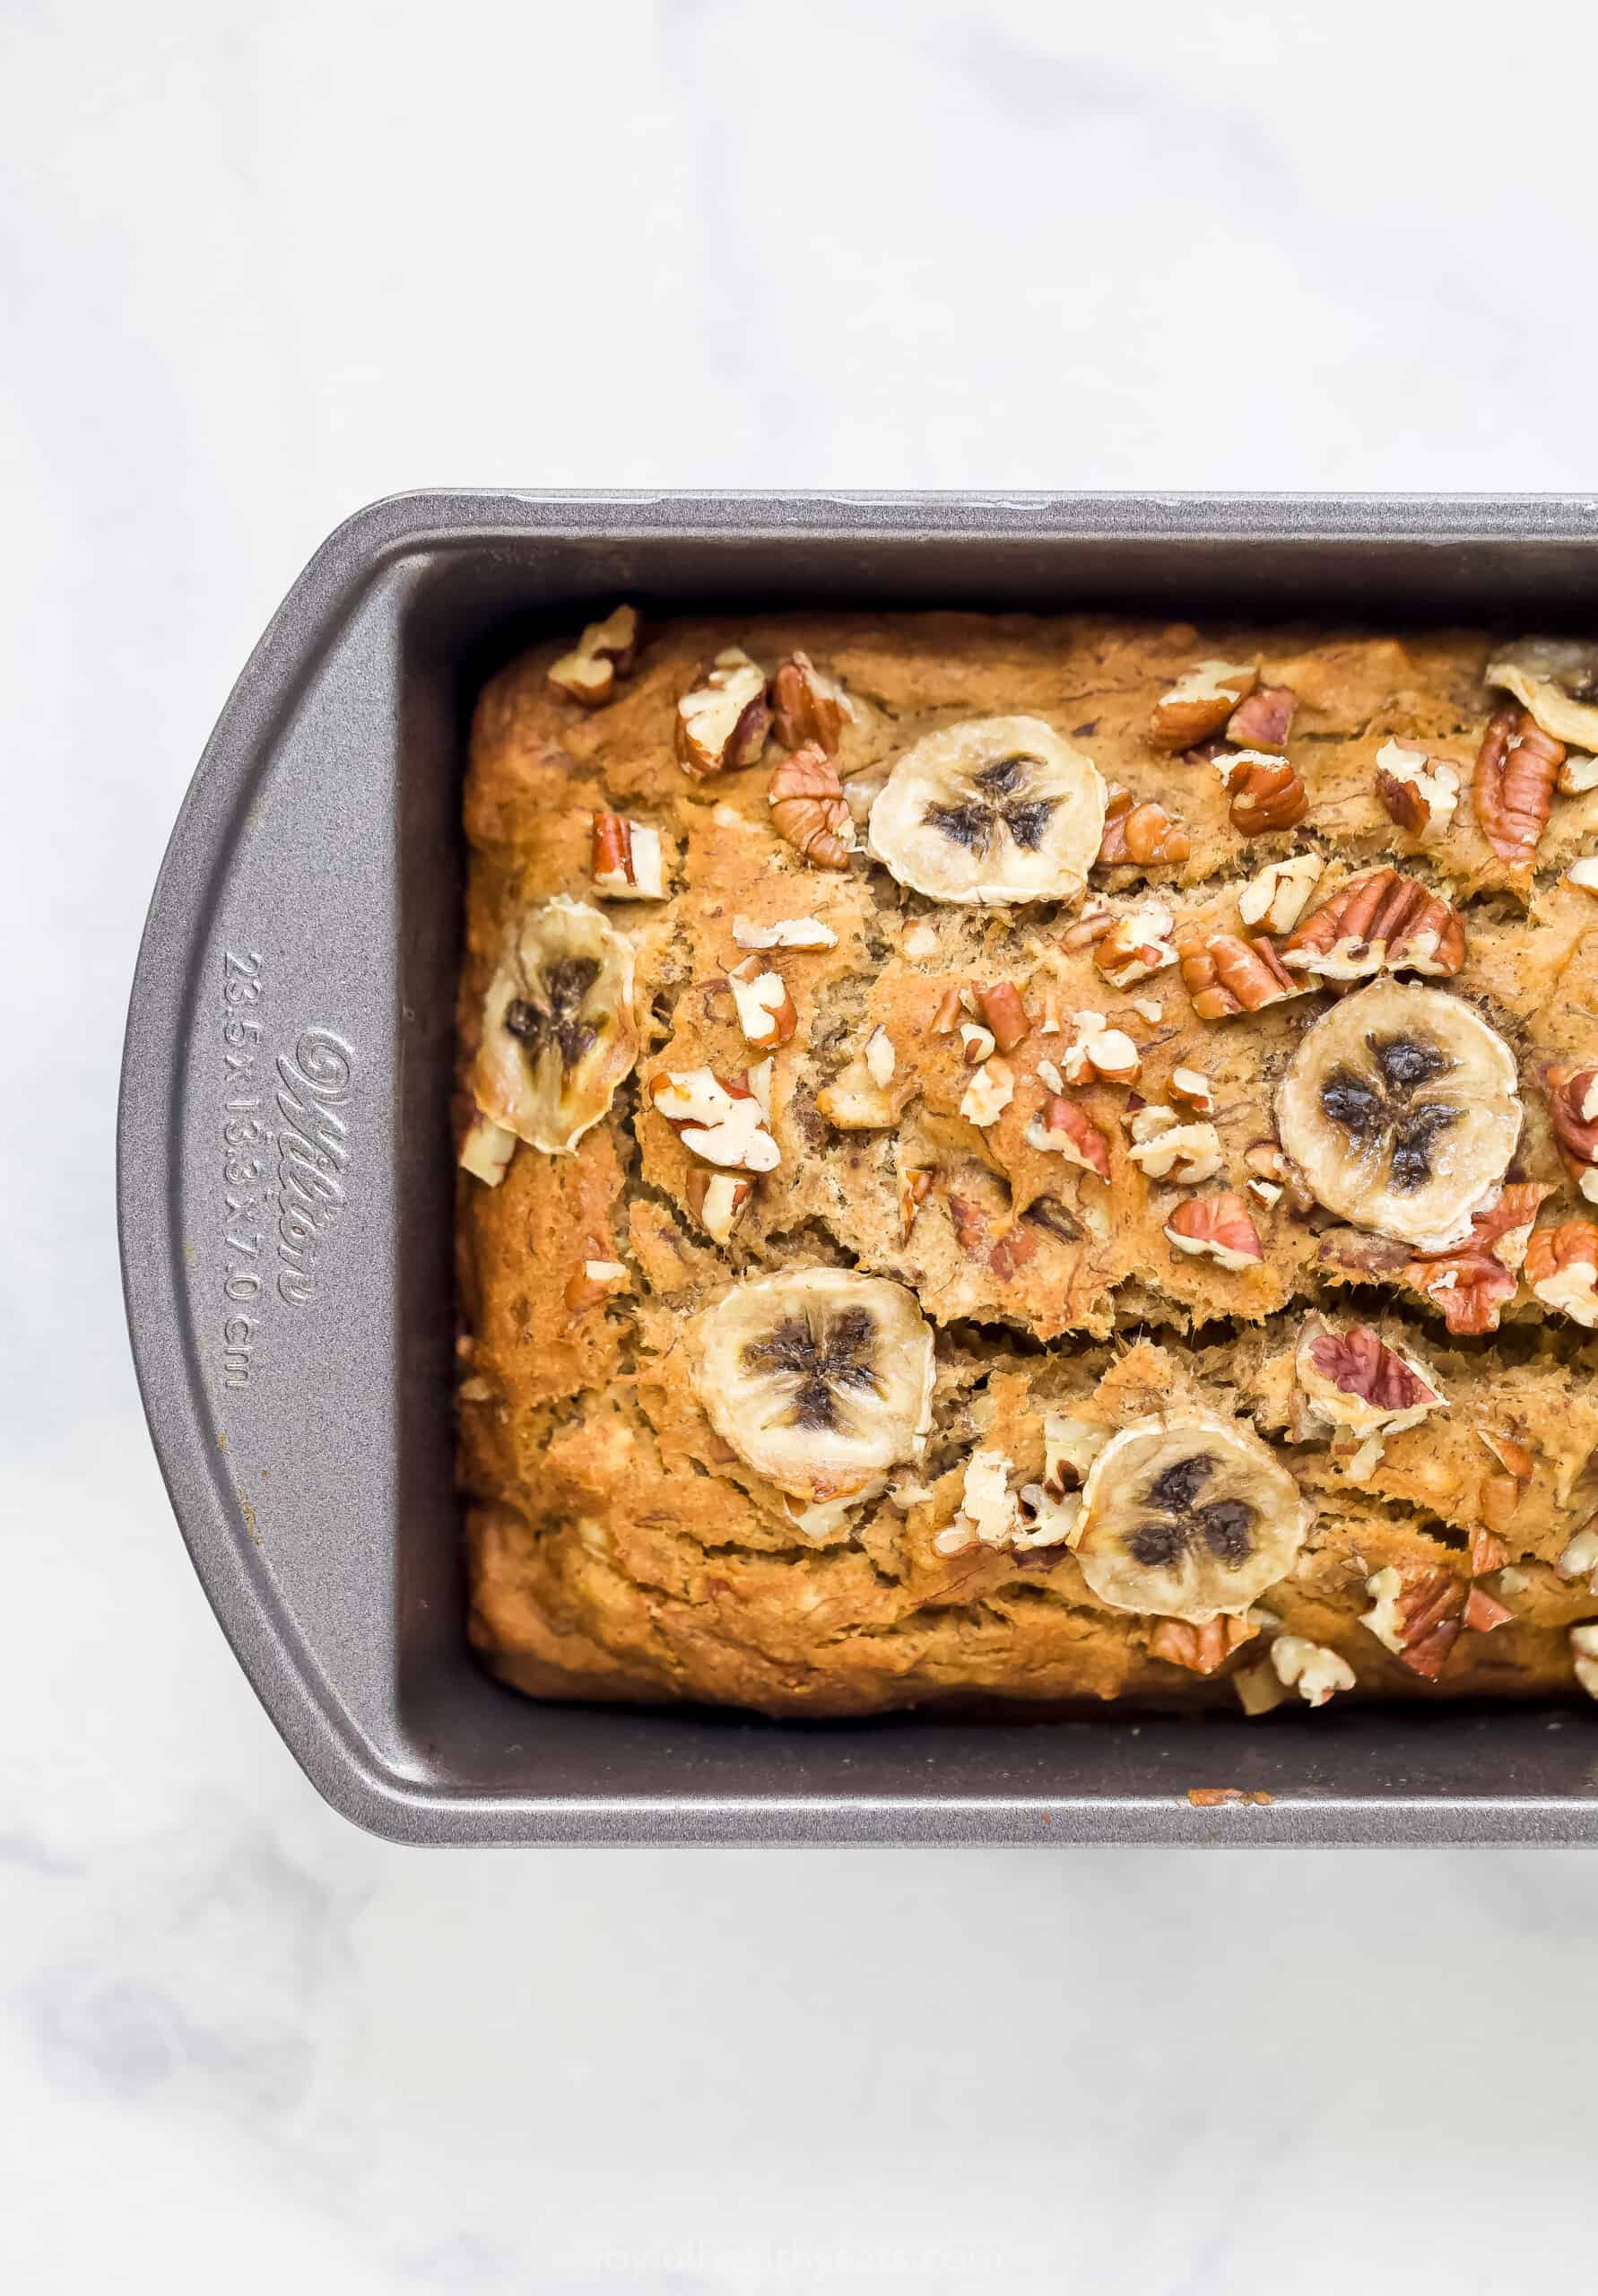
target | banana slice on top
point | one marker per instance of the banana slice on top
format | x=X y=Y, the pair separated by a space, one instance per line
x=558 y=1029
x=1187 y=1515
x=1400 y=1111
x=999 y=809
x=1557 y=680
x=820 y=1380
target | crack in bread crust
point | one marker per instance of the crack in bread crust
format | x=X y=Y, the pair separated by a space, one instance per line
x=619 y=1548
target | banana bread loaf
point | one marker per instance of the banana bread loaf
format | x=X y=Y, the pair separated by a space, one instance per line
x=1010 y=1159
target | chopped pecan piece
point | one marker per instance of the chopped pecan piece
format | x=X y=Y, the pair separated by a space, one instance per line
x=1381 y=922
x=1096 y=1049
x=1562 y=1269
x=1200 y=1648
x=625 y=860
x=1501 y=1493
x=1483 y=1612
x=1579 y=1558
x=486 y=1149
x=766 y=1012
x=1001 y=1008
x=717 y=1118
x=1573 y=1112
x=1167 y=1149
x=1584 y=1658
x=1512 y=789
x=1088 y=930
x=1218 y=1225
x=718 y=1200
x=721 y=722
x=1420 y=792
x=1500 y=1496
x=1266 y=793
x=1264 y=720
x=1488 y=1552
x=1200 y=703
x=1067 y=1130
x=1192 y=1085
x=1012 y=1250
x=787 y=933
x=809 y=810
x=915 y=1185
x=1141 y=833
x=1469 y=1286
x=1310 y=1668
x=595 y=1280
x=988 y=1094
x=970 y=1222
x=605 y=652
x=807 y=706
x=1224 y=974
x=1137 y=944
x=1417 y=1612
x=1276 y=895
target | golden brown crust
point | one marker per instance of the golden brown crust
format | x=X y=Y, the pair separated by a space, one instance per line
x=619 y=1549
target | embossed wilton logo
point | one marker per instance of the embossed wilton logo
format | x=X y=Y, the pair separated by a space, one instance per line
x=313 y=1152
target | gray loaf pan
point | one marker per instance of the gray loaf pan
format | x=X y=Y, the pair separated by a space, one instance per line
x=286 y=1184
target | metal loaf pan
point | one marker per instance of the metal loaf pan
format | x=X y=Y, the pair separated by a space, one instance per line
x=285 y=1180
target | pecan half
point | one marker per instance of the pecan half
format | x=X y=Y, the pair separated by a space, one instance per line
x=1417 y=1613
x=1264 y=720
x=1381 y=922
x=606 y=651
x=1266 y=793
x=1512 y=789
x=1573 y=1112
x=1066 y=1129
x=721 y=722
x=807 y=706
x=1374 y=1385
x=1200 y=1648
x=1141 y=833
x=1420 y=792
x=1224 y=974
x=809 y=810
x=1562 y=1269
x=1200 y=703
x=1220 y=1226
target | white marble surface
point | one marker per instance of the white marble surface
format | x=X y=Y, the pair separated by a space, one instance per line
x=258 y=264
